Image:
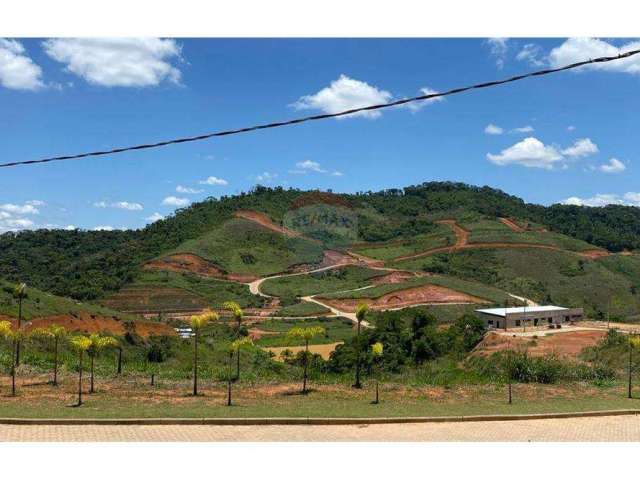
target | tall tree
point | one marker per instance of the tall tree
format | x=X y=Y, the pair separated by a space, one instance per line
x=80 y=344
x=56 y=333
x=19 y=292
x=306 y=335
x=13 y=335
x=98 y=343
x=377 y=350
x=234 y=349
x=361 y=312
x=237 y=314
x=198 y=322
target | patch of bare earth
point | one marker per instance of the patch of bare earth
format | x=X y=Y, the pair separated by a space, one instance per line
x=323 y=350
x=425 y=294
x=394 y=277
x=266 y=222
x=88 y=323
x=194 y=264
x=564 y=344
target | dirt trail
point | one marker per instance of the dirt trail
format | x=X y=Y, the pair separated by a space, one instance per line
x=511 y=224
x=265 y=221
x=462 y=238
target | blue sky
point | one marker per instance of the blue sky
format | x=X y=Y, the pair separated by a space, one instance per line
x=567 y=137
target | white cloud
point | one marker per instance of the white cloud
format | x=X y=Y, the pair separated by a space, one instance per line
x=614 y=166
x=17 y=70
x=337 y=173
x=36 y=203
x=492 y=129
x=345 y=94
x=117 y=62
x=417 y=106
x=25 y=209
x=530 y=53
x=70 y=227
x=213 y=181
x=602 y=199
x=120 y=205
x=525 y=129
x=579 y=49
x=310 y=166
x=175 y=201
x=181 y=189
x=499 y=48
x=155 y=217
x=570 y=128
x=582 y=147
x=106 y=228
x=266 y=177
x=529 y=152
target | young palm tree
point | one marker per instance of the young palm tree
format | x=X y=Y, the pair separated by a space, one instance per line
x=377 y=349
x=234 y=349
x=198 y=322
x=12 y=335
x=361 y=312
x=57 y=333
x=306 y=335
x=236 y=311
x=19 y=292
x=80 y=344
x=98 y=343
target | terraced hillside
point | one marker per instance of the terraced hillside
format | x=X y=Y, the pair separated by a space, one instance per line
x=286 y=252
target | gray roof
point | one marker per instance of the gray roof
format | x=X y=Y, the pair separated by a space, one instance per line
x=502 y=312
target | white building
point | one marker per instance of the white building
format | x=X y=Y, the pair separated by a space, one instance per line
x=542 y=315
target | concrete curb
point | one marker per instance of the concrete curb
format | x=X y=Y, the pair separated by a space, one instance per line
x=308 y=420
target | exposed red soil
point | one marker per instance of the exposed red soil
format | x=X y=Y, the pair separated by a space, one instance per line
x=154 y=299
x=266 y=222
x=462 y=238
x=565 y=344
x=257 y=334
x=393 y=277
x=314 y=198
x=425 y=294
x=511 y=224
x=190 y=263
x=333 y=257
x=88 y=323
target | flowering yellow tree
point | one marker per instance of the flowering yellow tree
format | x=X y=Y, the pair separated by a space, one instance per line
x=237 y=314
x=234 y=349
x=306 y=335
x=98 y=343
x=13 y=335
x=80 y=344
x=57 y=334
x=198 y=322
x=361 y=312
x=377 y=350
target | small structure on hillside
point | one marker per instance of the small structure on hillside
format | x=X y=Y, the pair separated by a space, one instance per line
x=538 y=316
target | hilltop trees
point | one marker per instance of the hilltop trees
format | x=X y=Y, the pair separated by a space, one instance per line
x=306 y=335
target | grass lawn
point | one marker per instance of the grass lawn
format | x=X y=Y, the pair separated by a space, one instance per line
x=242 y=246
x=149 y=288
x=130 y=398
x=336 y=330
x=333 y=280
x=472 y=288
x=302 y=309
x=441 y=237
x=39 y=304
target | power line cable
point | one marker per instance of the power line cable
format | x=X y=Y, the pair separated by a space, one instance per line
x=295 y=121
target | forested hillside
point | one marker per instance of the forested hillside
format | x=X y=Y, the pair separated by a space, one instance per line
x=88 y=265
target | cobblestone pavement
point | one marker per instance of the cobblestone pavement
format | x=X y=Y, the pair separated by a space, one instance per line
x=615 y=428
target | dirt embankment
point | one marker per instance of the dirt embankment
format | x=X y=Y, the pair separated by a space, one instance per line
x=194 y=264
x=265 y=221
x=88 y=323
x=394 y=277
x=565 y=344
x=511 y=224
x=425 y=294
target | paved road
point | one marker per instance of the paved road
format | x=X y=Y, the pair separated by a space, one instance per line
x=620 y=428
